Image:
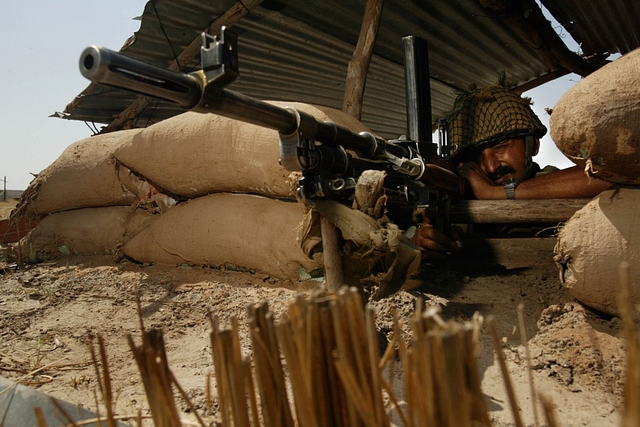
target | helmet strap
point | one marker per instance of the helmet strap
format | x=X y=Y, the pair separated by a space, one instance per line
x=529 y=143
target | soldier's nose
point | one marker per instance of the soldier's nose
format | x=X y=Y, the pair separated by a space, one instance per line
x=489 y=161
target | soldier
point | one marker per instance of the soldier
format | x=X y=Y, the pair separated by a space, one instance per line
x=494 y=135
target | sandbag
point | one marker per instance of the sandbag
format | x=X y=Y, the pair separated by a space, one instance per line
x=244 y=231
x=89 y=231
x=592 y=244
x=196 y=154
x=85 y=175
x=596 y=123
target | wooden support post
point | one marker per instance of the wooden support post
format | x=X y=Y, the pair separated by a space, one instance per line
x=352 y=104
x=359 y=64
x=333 y=272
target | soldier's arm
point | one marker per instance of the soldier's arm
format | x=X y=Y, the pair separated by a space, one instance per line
x=564 y=184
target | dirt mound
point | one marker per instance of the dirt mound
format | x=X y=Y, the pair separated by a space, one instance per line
x=569 y=349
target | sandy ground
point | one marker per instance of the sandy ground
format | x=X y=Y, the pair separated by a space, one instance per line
x=50 y=313
x=6 y=206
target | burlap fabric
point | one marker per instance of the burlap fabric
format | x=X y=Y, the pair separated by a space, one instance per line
x=593 y=243
x=488 y=116
x=85 y=175
x=88 y=231
x=196 y=154
x=238 y=231
x=596 y=123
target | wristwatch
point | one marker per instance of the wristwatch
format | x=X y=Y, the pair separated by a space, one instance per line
x=510 y=187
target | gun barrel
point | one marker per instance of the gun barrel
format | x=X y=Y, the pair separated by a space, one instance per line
x=238 y=106
x=101 y=65
x=104 y=66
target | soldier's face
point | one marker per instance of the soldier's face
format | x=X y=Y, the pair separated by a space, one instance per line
x=504 y=160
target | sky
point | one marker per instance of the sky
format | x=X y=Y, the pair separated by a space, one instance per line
x=42 y=41
x=41 y=45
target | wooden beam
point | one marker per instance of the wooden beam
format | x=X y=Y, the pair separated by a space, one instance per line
x=124 y=119
x=539 y=81
x=514 y=211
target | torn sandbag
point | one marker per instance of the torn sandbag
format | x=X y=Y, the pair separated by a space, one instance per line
x=596 y=123
x=367 y=242
x=593 y=243
x=195 y=154
x=89 y=231
x=246 y=231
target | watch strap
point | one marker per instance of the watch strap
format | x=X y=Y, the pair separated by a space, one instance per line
x=511 y=191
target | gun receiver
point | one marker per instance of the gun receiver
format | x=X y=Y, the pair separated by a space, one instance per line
x=321 y=150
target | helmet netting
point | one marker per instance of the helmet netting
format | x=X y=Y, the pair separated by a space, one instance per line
x=491 y=115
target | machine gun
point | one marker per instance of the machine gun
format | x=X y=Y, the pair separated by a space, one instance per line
x=330 y=157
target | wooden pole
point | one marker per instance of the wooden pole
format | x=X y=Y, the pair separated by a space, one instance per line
x=359 y=64
x=352 y=105
x=333 y=271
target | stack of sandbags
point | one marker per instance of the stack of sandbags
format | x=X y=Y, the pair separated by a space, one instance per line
x=116 y=191
x=84 y=203
x=597 y=122
x=594 y=242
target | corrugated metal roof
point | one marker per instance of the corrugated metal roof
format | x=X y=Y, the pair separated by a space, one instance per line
x=600 y=26
x=298 y=50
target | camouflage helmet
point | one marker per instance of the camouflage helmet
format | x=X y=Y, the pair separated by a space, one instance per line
x=488 y=116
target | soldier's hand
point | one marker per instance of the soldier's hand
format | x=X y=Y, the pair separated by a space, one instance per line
x=432 y=242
